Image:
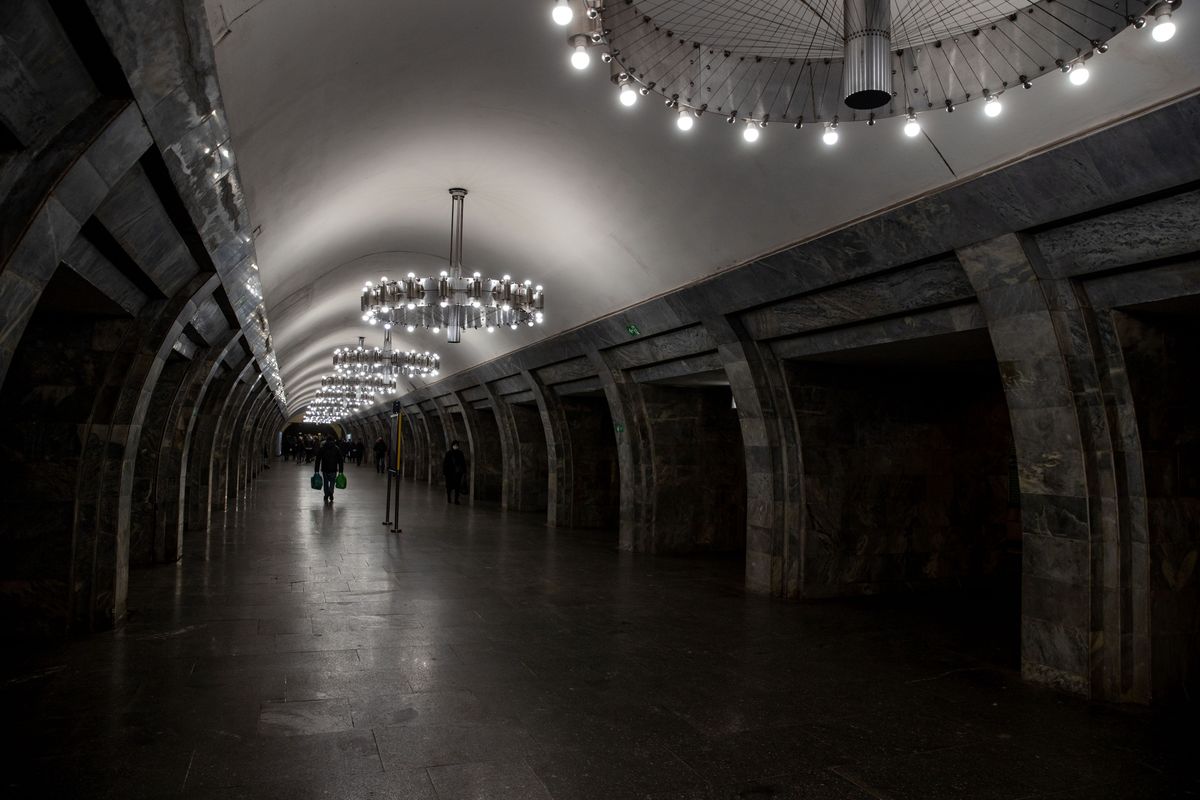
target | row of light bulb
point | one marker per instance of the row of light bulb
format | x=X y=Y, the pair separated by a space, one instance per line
x=1077 y=72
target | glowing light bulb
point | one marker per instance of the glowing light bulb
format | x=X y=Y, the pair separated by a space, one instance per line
x=1079 y=75
x=830 y=136
x=562 y=13
x=750 y=133
x=1163 y=29
x=685 y=120
x=992 y=107
x=580 y=58
x=912 y=127
x=628 y=95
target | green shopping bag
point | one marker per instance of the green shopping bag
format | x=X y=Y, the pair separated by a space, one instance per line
x=317 y=483
x=340 y=483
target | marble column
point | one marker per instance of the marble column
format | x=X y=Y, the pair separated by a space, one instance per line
x=775 y=520
x=635 y=453
x=1044 y=336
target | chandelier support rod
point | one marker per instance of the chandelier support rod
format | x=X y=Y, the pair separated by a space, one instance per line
x=456 y=231
x=454 y=320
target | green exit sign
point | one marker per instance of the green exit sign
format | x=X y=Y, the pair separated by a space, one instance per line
x=620 y=428
x=633 y=330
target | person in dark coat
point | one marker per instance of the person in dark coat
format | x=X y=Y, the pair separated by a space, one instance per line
x=380 y=455
x=329 y=464
x=454 y=467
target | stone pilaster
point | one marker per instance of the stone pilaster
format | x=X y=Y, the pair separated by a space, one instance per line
x=202 y=445
x=1043 y=334
x=560 y=502
x=635 y=454
x=195 y=428
x=172 y=382
x=775 y=522
x=240 y=398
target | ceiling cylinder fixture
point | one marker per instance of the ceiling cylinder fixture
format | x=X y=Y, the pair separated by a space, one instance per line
x=860 y=60
x=867 y=69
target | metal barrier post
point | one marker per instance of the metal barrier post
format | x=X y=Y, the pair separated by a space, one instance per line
x=399 y=417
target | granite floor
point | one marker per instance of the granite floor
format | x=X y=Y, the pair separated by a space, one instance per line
x=301 y=651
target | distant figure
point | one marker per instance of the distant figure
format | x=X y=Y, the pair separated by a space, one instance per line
x=329 y=464
x=380 y=449
x=454 y=467
x=358 y=452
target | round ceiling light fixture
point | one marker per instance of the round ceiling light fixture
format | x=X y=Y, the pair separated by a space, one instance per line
x=562 y=13
x=627 y=94
x=453 y=300
x=1164 y=27
x=858 y=60
x=580 y=58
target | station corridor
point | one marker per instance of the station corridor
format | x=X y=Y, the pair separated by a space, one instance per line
x=302 y=651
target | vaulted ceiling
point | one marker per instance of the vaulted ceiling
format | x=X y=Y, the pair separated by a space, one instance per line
x=351 y=120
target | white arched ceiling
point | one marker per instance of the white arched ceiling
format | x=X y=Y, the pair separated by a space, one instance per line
x=351 y=120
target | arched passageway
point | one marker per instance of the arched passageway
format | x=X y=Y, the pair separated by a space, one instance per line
x=910 y=482
x=1160 y=347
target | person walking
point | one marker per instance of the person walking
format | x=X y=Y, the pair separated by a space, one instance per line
x=454 y=467
x=380 y=449
x=329 y=464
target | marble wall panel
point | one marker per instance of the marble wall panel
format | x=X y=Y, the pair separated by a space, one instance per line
x=933 y=283
x=566 y=371
x=668 y=346
x=906 y=478
x=1163 y=228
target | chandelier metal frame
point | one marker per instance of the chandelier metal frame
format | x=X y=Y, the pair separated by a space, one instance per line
x=453 y=300
x=760 y=62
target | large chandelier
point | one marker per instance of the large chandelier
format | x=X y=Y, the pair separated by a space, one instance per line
x=452 y=300
x=363 y=360
x=759 y=62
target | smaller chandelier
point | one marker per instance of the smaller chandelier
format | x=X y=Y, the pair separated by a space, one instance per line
x=360 y=387
x=363 y=360
x=452 y=300
x=329 y=405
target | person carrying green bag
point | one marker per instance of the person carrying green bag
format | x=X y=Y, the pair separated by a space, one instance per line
x=329 y=465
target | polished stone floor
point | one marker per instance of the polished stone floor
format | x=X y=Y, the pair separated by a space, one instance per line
x=301 y=651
